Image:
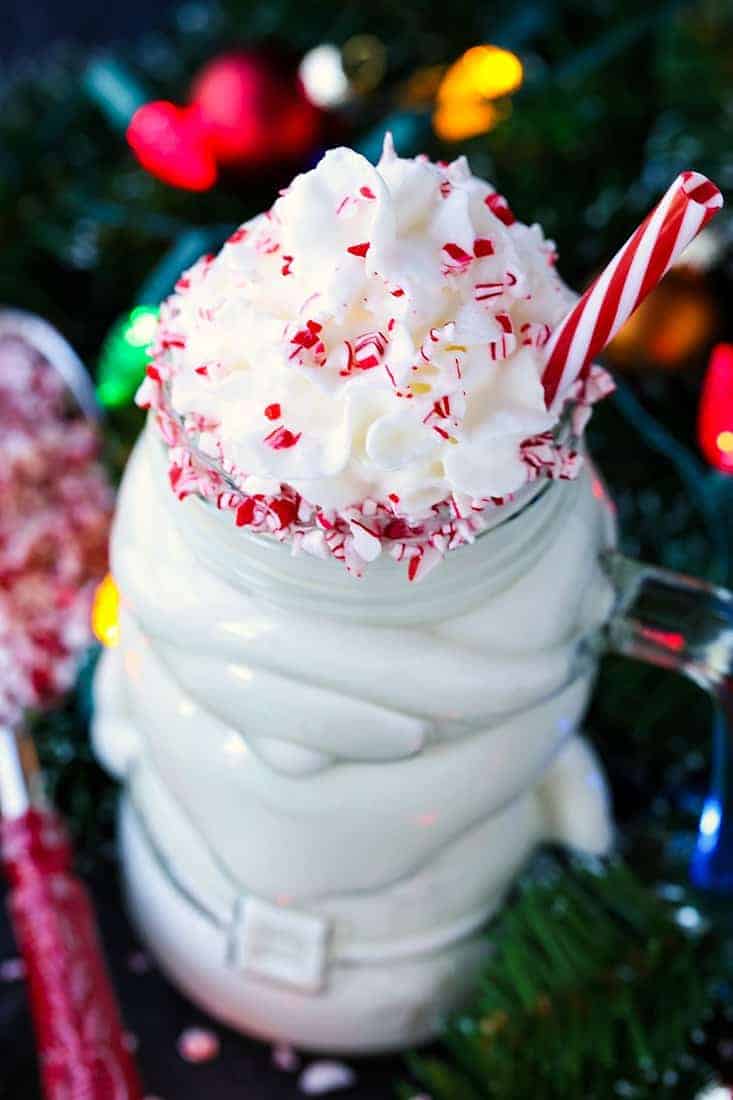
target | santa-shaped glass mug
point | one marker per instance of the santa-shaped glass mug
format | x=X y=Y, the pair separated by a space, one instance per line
x=330 y=784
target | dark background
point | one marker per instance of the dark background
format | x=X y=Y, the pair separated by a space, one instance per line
x=29 y=25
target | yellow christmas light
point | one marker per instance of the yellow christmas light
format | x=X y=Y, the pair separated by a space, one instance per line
x=725 y=442
x=106 y=612
x=484 y=71
x=464 y=105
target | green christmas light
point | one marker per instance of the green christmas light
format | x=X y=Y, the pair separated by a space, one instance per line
x=124 y=356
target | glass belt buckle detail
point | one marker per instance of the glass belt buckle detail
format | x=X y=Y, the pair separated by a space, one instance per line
x=279 y=944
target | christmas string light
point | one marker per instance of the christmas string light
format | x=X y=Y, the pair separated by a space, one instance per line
x=715 y=418
x=485 y=71
x=244 y=110
x=172 y=143
x=466 y=102
x=124 y=356
x=106 y=612
x=322 y=75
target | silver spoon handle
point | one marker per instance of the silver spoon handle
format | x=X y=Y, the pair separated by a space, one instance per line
x=59 y=353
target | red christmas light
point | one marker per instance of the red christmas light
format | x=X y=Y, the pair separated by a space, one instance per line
x=246 y=110
x=172 y=143
x=715 y=418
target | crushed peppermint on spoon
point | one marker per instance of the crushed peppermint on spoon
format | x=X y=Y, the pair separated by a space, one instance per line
x=55 y=509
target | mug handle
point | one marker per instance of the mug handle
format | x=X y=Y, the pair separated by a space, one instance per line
x=685 y=625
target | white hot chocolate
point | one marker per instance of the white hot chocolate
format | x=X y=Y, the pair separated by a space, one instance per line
x=331 y=782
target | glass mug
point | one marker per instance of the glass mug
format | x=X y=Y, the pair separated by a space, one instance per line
x=330 y=784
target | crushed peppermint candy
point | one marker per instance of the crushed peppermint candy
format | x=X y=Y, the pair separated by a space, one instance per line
x=197 y=1045
x=281 y=439
x=285 y=1058
x=55 y=510
x=411 y=381
x=320 y=1078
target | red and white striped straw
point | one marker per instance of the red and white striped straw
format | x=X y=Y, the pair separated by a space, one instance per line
x=635 y=270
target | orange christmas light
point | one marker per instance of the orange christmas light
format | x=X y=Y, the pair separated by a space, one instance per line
x=106 y=612
x=677 y=320
x=465 y=103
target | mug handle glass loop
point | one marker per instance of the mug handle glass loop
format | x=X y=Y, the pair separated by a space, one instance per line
x=685 y=625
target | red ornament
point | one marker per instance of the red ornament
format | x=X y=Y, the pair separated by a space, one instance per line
x=172 y=144
x=715 y=418
x=255 y=110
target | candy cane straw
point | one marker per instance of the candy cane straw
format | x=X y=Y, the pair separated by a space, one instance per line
x=635 y=270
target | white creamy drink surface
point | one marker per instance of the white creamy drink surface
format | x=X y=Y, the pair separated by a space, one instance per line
x=363 y=362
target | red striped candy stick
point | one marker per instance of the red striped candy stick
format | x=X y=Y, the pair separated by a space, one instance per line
x=635 y=270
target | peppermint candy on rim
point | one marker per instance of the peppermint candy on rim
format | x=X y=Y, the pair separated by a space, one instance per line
x=622 y=286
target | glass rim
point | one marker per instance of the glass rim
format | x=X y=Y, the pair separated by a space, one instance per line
x=562 y=433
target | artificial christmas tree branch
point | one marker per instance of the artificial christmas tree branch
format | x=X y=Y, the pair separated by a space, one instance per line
x=583 y=996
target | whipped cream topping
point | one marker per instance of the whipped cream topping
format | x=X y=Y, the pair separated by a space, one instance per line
x=362 y=363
